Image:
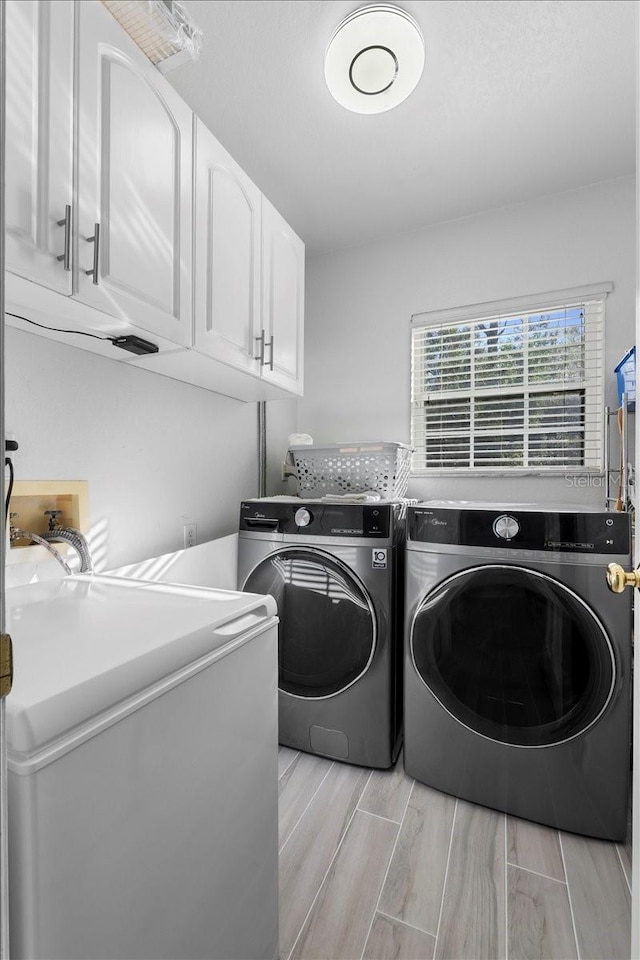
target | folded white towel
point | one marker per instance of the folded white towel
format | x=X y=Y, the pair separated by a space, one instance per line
x=369 y=496
x=287 y=498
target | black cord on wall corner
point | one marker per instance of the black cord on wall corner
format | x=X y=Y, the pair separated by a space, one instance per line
x=8 y=463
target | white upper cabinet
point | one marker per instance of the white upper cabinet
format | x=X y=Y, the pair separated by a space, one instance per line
x=249 y=275
x=39 y=141
x=126 y=217
x=134 y=183
x=282 y=301
x=227 y=256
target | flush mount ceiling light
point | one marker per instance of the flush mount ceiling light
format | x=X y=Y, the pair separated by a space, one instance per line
x=374 y=58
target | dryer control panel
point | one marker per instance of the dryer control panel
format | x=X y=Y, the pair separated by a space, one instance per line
x=546 y=531
x=316 y=518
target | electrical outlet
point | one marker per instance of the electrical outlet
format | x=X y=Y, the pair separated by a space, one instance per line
x=190 y=534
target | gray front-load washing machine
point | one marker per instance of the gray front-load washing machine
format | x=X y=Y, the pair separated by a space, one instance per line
x=335 y=570
x=518 y=662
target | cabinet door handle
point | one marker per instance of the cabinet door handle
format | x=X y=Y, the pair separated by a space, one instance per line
x=95 y=240
x=66 y=223
x=269 y=346
x=260 y=356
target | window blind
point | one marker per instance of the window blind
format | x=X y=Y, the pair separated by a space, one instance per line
x=519 y=390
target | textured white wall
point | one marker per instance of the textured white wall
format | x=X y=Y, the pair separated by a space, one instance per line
x=156 y=453
x=360 y=301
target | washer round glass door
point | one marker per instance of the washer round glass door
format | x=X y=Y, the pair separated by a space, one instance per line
x=327 y=630
x=514 y=655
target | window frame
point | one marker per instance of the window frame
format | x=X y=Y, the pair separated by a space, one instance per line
x=593 y=384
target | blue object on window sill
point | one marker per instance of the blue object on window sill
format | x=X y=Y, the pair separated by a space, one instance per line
x=626 y=377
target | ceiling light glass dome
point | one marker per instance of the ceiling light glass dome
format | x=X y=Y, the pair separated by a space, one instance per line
x=374 y=58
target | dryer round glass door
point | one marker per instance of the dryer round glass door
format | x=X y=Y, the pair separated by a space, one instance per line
x=327 y=630
x=514 y=655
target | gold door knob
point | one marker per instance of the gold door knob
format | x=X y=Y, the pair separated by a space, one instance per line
x=618 y=578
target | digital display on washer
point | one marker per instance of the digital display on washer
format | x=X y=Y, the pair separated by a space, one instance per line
x=555 y=531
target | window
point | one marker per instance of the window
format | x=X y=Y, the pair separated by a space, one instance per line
x=514 y=385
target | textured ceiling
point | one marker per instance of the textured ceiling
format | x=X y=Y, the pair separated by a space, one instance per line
x=518 y=99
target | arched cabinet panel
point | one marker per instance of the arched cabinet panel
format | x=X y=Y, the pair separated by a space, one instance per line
x=227 y=256
x=282 y=300
x=134 y=182
x=39 y=141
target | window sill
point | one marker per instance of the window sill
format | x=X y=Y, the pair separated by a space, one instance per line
x=506 y=472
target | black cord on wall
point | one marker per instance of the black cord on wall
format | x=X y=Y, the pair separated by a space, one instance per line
x=8 y=463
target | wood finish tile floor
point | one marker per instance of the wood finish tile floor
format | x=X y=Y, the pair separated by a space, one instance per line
x=375 y=866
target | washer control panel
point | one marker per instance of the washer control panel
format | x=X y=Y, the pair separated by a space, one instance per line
x=555 y=531
x=316 y=518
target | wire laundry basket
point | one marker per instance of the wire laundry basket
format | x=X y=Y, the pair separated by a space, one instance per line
x=340 y=468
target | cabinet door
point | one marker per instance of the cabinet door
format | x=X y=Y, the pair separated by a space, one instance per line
x=282 y=300
x=39 y=152
x=227 y=213
x=134 y=182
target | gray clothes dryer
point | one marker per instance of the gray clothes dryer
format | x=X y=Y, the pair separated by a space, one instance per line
x=335 y=570
x=518 y=662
